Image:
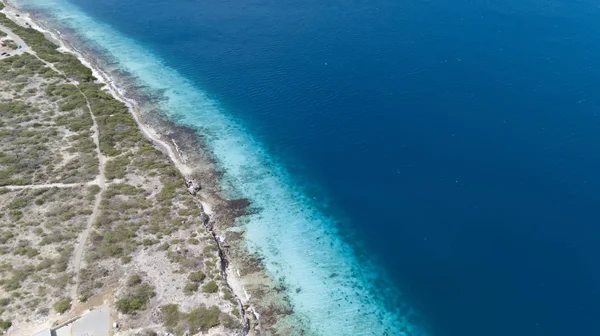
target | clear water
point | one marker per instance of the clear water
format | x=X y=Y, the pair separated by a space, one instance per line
x=455 y=142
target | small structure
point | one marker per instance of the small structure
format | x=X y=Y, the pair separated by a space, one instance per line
x=45 y=332
x=96 y=323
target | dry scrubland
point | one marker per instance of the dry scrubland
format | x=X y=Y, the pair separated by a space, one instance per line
x=145 y=245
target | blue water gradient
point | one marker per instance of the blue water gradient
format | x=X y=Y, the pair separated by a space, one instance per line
x=455 y=141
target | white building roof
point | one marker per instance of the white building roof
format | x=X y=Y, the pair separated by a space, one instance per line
x=45 y=332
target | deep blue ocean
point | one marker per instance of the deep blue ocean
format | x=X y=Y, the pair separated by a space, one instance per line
x=457 y=143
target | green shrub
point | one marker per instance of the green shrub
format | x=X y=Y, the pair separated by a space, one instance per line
x=197 y=276
x=202 y=319
x=11 y=44
x=26 y=250
x=198 y=319
x=190 y=288
x=136 y=301
x=209 y=249
x=116 y=168
x=17 y=203
x=92 y=191
x=44 y=264
x=122 y=189
x=170 y=315
x=4 y=325
x=62 y=305
x=134 y=280
x=227 y=294
x=5 y=236
x=210 y=287
x=148 y=241
x=15 y=215
x=129 y=305
x=228 y=321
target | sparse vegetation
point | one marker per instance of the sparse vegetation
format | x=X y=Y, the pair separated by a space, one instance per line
x=229 y=322
x=47 y=50
x=202 y=319
x=117 y=167
x=4 y=325
x=62 y=305
x=134 y=280
x=190 y=288
x=210 y=287
x=137 y=300
x=171 y=315
x=197 y=276
x=198 y=319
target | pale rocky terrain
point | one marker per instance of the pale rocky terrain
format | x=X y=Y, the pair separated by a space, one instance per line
x=92 y=212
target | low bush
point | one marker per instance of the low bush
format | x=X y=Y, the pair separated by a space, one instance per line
x=190 y=288
x=136 y=301
x=196 y=276
x=62 y=305
x=44 y=264
x=149 y=241
x=228 y=321
x=198 y=319
x=202 y=319
x=17 y=203
x=4 y=325
x=170 y=315
x=210 y=287
x=26 y=250
x=134 y=280
x=116 y=168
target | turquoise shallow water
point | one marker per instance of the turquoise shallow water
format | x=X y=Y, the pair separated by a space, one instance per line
x=331 y=291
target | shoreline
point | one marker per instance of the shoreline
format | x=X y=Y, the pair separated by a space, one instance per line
x=177 y=156
x=267 y=308
x=262 y=291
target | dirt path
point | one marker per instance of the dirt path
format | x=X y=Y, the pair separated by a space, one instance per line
x=101 y=180
x=42 y=186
